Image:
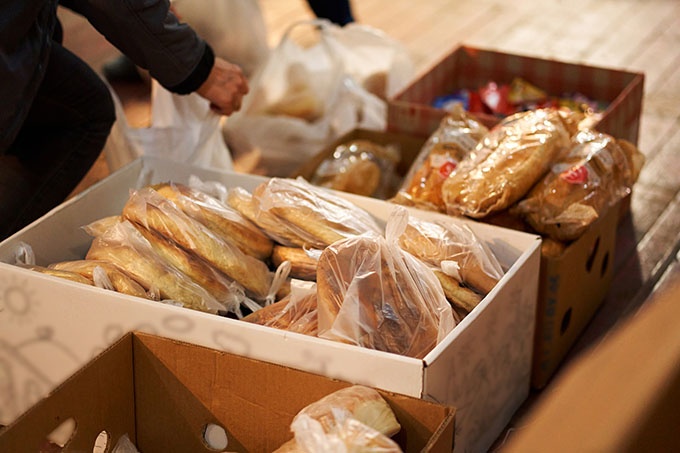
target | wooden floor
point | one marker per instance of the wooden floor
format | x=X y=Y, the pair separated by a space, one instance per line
x=639 y=35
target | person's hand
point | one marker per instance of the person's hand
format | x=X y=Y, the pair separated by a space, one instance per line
x=225 y=87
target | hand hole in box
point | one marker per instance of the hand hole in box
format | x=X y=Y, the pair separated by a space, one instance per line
x=60 y=436
x=215 y=437
x=101 y=443
x=592 y=255
x=566 y=320
x=605 y=264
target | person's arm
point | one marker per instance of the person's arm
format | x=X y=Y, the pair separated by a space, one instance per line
x=153 y=38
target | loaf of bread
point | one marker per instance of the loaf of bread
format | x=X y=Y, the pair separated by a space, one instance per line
x=125 y=247
x=508 y=161
x=249 y=206
x=226 y=291
x=66 y=275
x=594 y=175
x=148 y=208
x=358 y=416
x=296 y=312
x=455 y=138
x=362 y=167
x=375 y=295
x=119 y=280
x=227 y=223
x=318 y=216
x=441 y=241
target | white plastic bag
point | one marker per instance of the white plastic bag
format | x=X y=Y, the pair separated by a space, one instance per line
x=375 y=61
x=235 y=29
x=183 y=129
x=301 y=100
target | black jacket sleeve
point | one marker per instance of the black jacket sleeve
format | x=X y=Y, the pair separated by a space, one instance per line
x=151 y=36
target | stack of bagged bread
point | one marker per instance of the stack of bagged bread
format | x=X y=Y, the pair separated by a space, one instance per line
x=543 y=171
x=291 y=255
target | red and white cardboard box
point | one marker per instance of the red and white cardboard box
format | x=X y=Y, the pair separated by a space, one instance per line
x=411 y=111
x=49 y=327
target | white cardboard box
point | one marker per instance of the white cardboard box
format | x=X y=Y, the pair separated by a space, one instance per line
x=50 y=327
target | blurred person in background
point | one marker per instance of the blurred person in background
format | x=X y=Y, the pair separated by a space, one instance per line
x=57 y=113
x=123 y=69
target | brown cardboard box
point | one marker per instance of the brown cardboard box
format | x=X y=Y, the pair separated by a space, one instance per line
x=164 y=393
x=621 y=396
x=571 y=288
x=410 y=111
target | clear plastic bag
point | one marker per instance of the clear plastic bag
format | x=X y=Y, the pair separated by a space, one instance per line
x=456 y=137
x=371 y=293
x=124 y=246
x=297 y=213
x=510 y=159
x=301 y=99
x=595 y=174
x=166 y=221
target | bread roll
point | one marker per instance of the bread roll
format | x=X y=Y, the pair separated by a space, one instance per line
x=226 y=222
x=361 y=167
x=303 y=265
x=510 y=159
x=437 y=242
x=379 y=297
x=343 y=413
x=148 y=208
x=594 y=175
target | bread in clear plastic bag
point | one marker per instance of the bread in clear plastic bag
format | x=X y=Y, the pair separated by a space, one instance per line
x=456 y=137
x=154 y=212
x=226 y=222
x=361 y=167
x=595 y=174
x=507 y=162
x=125 y=247
x=296 y=312
x=355 y=418
x=301 y=214
x=464 y=265
x=373 y=294
x=104 y=274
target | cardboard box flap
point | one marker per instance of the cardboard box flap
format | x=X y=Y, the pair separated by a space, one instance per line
x=256 y=397
x=96 y=398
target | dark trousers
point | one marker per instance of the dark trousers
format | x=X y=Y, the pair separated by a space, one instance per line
x=338 y=12
x=63 y=135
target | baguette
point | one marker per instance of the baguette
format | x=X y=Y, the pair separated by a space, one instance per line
x=316 y=215
x=148 y=208
x=226 y=222
x=119 y=279
x=125 y=247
